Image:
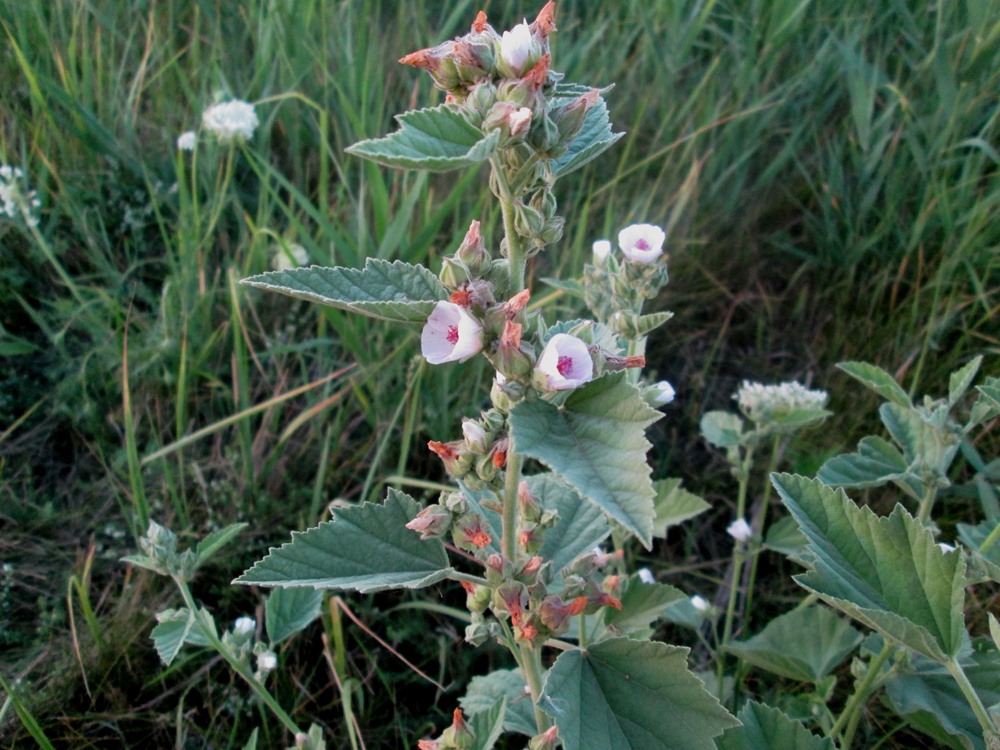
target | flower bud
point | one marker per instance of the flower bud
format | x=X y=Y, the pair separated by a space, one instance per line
x=438 y=62
x=602 y=249
x=527 y=505
x=477 y=632
x=486 y=469
x=477 y=598
x=548 y=739
x=469 y=533
x=529 y=631
x=244 y=626
x=565 y=363
x=451 y=334
x=740 y=530
x=519 y=50
x=641 y=243
x=519 y=121
x=498 y=569
x=570 y=117
x=701 y=606
x=458 y=736
x=472 y=252
x=659 y=394
x=555 y=613
x=476 y=439
x=510 y=598
x=646 y=575
x=432 y=522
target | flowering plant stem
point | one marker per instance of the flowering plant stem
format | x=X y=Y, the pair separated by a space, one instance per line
x=849 y=717
x=240 y=667
x=759 y=521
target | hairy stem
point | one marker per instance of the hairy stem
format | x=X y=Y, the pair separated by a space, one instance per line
x=990 y=732
x=758 y=523
x=512 y=478
x=851 y=714
x=531 y=663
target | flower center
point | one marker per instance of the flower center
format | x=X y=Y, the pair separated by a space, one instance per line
x=452 y=334
x=565 y=366
x=641 y=244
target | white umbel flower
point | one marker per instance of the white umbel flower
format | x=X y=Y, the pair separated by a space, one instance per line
x=740 y=530
x=16 y=201
x=763 y=403
x=642 y=243
x=231 y=122
x=451 y=334
x=660 y=394
x=602 y=249
x=517 y=47
x=565 y=363
x=186 y=140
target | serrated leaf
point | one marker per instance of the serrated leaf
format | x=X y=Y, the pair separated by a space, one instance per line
x=594 y=138
x=217 y=540
x=365 y=548
x=987 y=405
x=674 y=505
x=960 y=380
x=588 y=331
x=642 y=604
x=766 y=728
x=596 y=442
x=878 y=380
x=876 y=462
x=804 y=644
x=722 y=429
x=925 y=694
x=886 y=572
x=394 y=291
x=984 y=566
x=508 y=684
x=437 y=139
x=579 y=528
x=631 y=695
x=174 y=628
x=287 y=611
x=487 y=726
x=918 y=439
x=783 y=536
x=797 y=419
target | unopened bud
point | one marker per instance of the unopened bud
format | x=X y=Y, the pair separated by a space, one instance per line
x=519 y=121
x=469 y=533
x=513 y=307
x=472 y=252
x=527 y=505
x=456 y=462
x=570 y=117
x=458 y=736
x=431 y=522
x=548 y=739
x=475 y=436
x=545 y=21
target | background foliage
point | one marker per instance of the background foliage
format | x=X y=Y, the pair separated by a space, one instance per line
x=847 y=208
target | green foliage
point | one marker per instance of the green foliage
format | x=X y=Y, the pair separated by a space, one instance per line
x=887 y=573
x=642 y=605
x=486 y=691
x=766 y=728
x=175 y=628
x=579 y=528
x=878 y=380
x=674 y=505
x=659 y=705
x=722 y=429
x=437 y=139
x=394 y=291
x=365 y=548
x=289 y=610
x=596 y=442
x=804 y=644
x=594 y=138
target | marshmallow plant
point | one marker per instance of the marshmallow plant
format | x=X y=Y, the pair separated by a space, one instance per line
x=526 y=549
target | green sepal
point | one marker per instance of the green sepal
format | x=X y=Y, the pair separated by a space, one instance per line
x=438 y=139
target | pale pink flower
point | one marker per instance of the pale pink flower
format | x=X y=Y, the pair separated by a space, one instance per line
x=602 y=249
x=565 y=362
x=641 y=243
x=740 y=530
x=451 y=334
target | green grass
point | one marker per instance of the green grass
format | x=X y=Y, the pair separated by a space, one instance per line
x=846 y=208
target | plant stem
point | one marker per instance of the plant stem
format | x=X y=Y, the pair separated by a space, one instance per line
x=991 y=734
x=512 y=478
x=515 y=251
x=208 y=630
x=759 y=521
x=531 y=663
x=852 y=709
x=924 y=511
x=990 y=540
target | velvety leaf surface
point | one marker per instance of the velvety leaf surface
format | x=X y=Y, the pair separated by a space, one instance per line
x=766 y=728
x=487 y=726
x=287 y=611
x=642 y=605
x=485 y=691
x=594 y=138
x=886 y=572
x=365 y=548
x=437 y=139
x=674 y=505
x=395 y=291
x=721 y=428
x=631 y=695
x=596 y=442
x=804 y=644
x=580 y=527
x=875 y=463
x=878 y=380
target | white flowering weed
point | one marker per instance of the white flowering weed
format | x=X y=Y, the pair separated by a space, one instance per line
x=231 y=122
x=18 y=202
x=762 y=403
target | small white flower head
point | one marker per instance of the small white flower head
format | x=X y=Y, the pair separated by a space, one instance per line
x=565 y=363
x=186 y=140
x=764 y=403
x=519 y=121
x=641 y=243
x=660 y=394
x=267 y=662
x=451 y=334
x=244 y=626
x=475 y=435
x=518 y=47
x=290 y=256
x=740 y=530
x=646 y=575
x=231 y=122
x=602 y=249
x=16 y=201
x=700 y=605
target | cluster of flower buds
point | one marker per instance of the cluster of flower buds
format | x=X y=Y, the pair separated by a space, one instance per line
x=616 y=288
x=773 y=403
x=159 y=553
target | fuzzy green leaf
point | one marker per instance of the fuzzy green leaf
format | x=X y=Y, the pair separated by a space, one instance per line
x=394 y=291
x=642 y=605
x=649 y=323
x=437 y=139
x=804 y=644
x=722 y=429
x=631 y=695
x=174 y=628
x=487 y=726
x=217 y=540
x=365 y=548
x=579 y=528
x=927 y=696
x=594 y=138
x=596 y=442
x=485 y=691
x=960 y=380
x=878 y=380
x=914 y=435
x=876 y=462
x=674 y=505
x=766 y=728
x=288 y=611
x=886 y=572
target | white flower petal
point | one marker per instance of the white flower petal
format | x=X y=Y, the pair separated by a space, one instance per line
x=641 y=243
x=740 y=530
x=451 y=334
x=565 y=362
x=516 y=46
x=602 y=249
